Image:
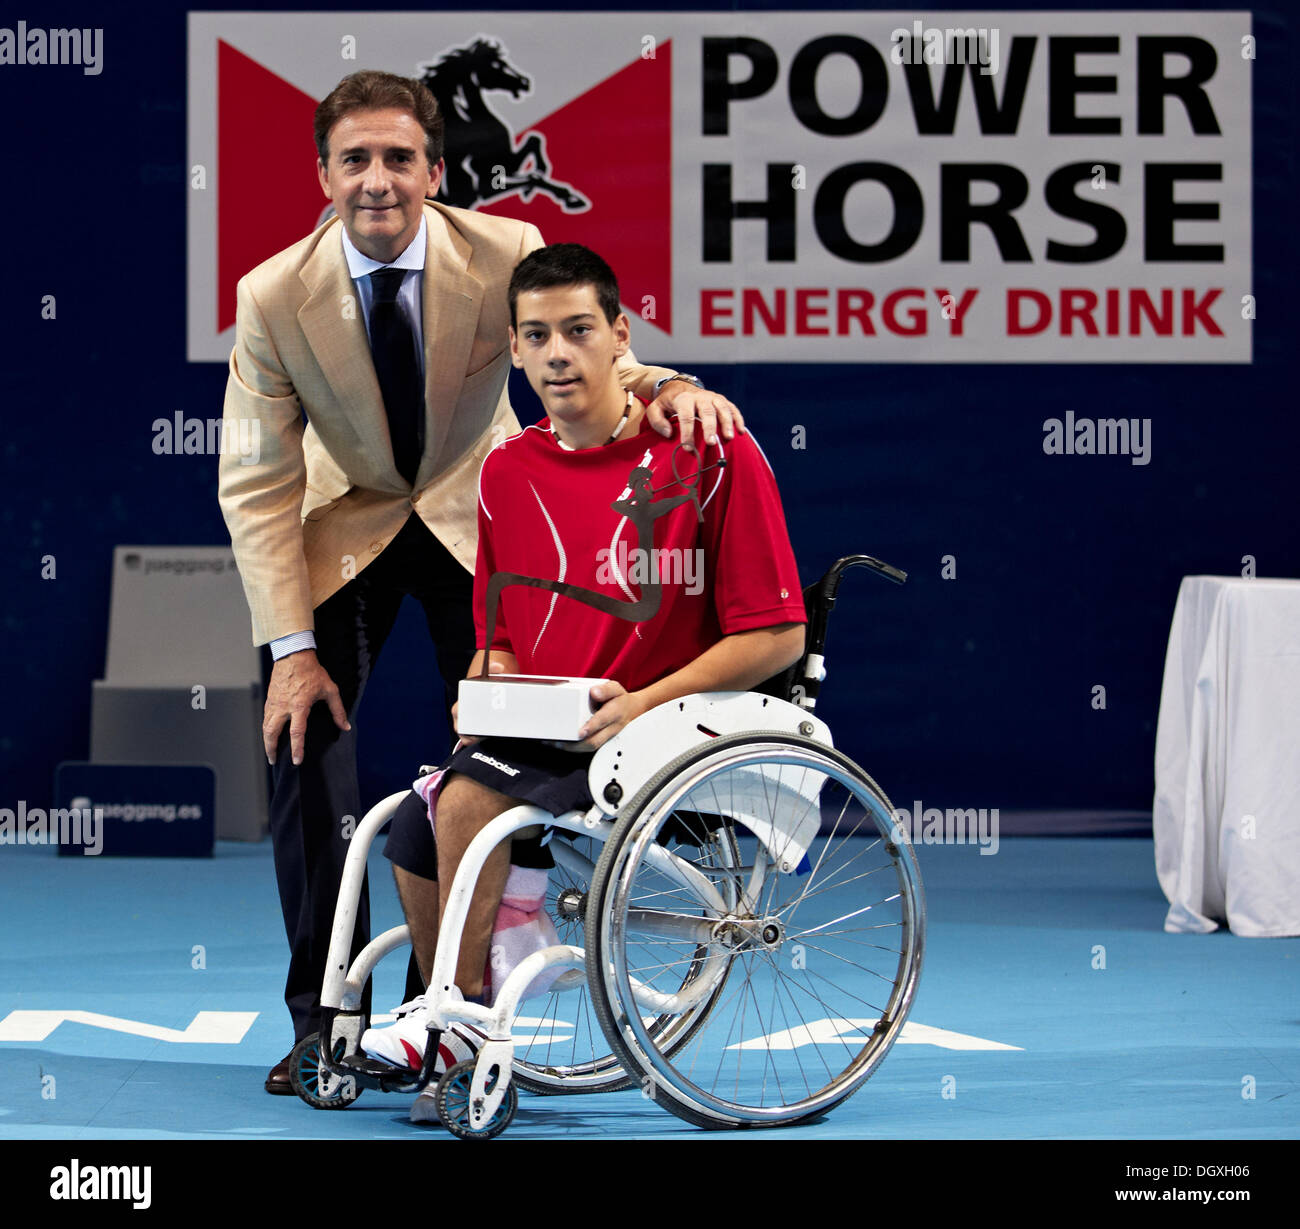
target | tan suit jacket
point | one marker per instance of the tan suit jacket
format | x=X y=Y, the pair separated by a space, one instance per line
x=324 y=497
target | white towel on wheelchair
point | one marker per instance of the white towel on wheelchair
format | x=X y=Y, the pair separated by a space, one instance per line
x=522 y=924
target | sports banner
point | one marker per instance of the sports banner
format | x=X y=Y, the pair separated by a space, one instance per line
x=790 y=187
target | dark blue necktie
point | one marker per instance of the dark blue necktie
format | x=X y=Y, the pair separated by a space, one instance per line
x=395 y=348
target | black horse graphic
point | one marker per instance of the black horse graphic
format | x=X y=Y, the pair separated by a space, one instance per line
x=483 y=162
x=642 y=510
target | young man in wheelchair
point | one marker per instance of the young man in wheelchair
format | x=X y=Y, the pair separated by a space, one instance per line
x=568 y=498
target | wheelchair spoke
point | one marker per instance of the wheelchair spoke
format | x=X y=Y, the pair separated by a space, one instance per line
x=834 y=879
x=830 y=837
x=843 y=1026
x=768 y=1064
x=832 y=886
x=853 y=963
x=848 y=917
x=877 y=947
x=822 y=1002
x=744 y=1008
x=778 y=984
x=802 y=1030
x=779 y=979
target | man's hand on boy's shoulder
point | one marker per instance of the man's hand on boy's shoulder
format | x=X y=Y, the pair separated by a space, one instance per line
x=714 y=412
x=617 y=706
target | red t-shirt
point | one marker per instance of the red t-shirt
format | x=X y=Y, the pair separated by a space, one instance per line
x=546 y=512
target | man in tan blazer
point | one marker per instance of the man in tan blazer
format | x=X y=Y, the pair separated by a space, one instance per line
x=349 y=508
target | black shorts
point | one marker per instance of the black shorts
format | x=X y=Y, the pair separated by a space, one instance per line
x=522 y=768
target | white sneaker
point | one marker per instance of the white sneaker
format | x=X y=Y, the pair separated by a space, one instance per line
x=402 y=1044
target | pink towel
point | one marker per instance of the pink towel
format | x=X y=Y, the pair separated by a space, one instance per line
x=522 y=927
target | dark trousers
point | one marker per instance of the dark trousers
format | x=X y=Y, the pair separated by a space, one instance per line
x=310 y=802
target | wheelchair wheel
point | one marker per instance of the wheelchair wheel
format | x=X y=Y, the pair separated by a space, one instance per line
x=318 y=1088
x=453 y=1102
x=560 y=1045
x=811 y=962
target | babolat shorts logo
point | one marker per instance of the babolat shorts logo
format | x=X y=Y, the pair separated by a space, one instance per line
x=497 y=764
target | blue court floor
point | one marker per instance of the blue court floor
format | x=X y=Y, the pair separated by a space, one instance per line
x=140 y=999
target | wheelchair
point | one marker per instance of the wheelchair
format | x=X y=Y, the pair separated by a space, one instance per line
x=741 y=926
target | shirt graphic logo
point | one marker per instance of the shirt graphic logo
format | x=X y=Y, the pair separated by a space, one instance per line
x=642 y=509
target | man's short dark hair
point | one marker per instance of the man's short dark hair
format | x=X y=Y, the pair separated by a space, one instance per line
x=565 y=264
x=375 y=91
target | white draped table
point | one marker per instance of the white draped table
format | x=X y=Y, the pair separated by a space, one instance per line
x=1227 y=803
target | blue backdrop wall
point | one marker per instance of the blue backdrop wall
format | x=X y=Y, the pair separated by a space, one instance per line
x=971 y=691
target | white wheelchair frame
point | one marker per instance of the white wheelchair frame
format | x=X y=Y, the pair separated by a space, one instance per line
x=735 y=732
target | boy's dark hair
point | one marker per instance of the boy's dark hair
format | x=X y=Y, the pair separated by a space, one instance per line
x=565 y=264
x=371 y=90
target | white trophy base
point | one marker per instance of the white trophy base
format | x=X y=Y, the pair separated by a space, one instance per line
x=524 y=706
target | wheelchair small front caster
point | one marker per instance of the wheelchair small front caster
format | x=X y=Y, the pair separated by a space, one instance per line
x=318 y=1088
x=453 y=1101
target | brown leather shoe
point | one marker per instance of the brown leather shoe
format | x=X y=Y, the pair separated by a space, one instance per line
x=277 y=1080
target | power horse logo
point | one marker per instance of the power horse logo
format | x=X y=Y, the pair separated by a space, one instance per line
x=485 y=161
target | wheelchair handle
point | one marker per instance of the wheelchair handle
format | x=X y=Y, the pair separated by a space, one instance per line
x=812 y=669
x=828 y=587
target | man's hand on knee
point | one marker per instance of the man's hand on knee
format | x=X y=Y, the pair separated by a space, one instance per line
x=298 y=681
